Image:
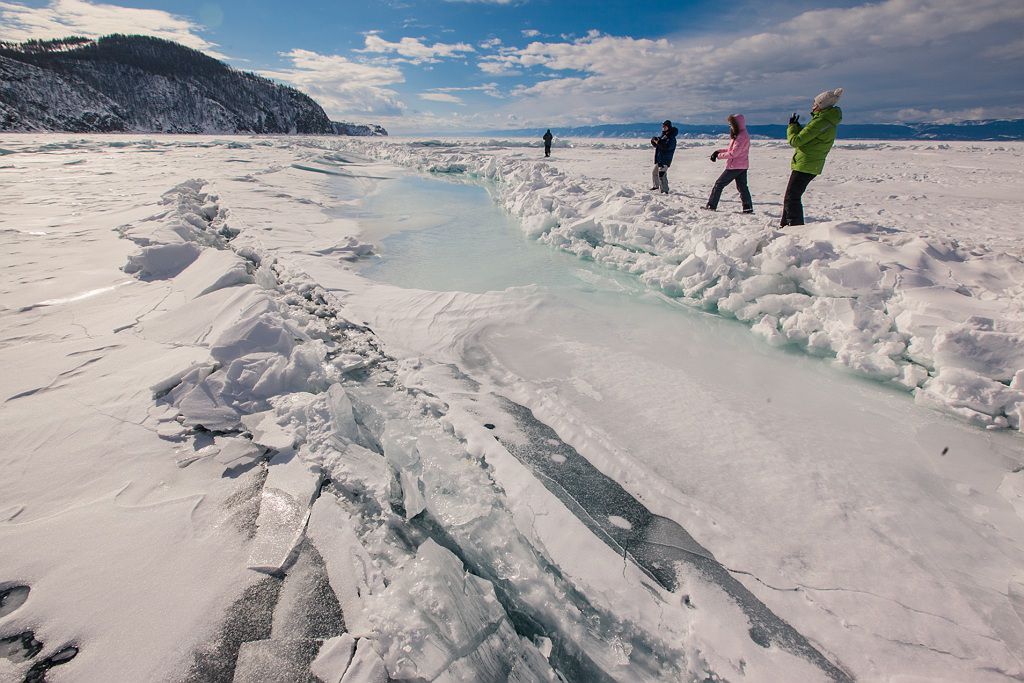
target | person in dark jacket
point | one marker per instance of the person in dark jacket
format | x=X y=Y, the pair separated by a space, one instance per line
x=812 y=143
x=664 y=149
x=736 y=165
x=547 y=143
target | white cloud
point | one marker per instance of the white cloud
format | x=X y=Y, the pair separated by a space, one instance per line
x=530 y=32
x=486 y=88
x=414 y=50
x=490 y=44
x=890 y=55
x=62 y=18
x=497 y=67
x=954 y=115
x=441 y=97
x=344 y=88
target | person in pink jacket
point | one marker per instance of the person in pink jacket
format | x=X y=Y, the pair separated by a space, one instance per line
x=737 y=156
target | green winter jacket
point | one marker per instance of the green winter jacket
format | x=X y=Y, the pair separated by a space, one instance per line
x=813 y=141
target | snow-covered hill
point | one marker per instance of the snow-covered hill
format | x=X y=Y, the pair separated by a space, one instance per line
x=144 y=84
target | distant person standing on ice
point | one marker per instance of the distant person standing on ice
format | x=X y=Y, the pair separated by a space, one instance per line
x=664 y=149
x=547 y=143
x=737 y=156
x=813 y=143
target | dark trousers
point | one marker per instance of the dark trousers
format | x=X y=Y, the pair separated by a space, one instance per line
x=547 y=149
x=727 y=177
x=792 y=206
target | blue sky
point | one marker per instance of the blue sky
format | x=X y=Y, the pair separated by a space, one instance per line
x=437 y=65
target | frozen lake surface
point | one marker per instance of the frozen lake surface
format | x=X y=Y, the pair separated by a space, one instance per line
x=450 y=411
x=447 y=235
x=806 y=479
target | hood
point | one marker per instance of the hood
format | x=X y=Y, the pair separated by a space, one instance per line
x=741 y=121
x=833 y=115
x=673 y=131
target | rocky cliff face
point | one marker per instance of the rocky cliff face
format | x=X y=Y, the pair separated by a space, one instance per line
x=144 y=84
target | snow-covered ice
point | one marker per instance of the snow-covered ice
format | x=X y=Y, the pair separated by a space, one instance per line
x=445 y=411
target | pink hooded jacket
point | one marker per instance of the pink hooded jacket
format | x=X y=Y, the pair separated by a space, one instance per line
x=738 y=153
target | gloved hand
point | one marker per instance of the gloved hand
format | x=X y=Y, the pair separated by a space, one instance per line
x=714 y=155
x=795 y=118
x=654 y=141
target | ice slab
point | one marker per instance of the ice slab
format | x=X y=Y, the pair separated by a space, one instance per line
x=343 y=421
x=351 y=571
x=306 y=606
x=236 y=451
x=366 y=666
x=266 y=430
x=334 y=657
x=437 y=622
x=284 y=509
x=407 y=488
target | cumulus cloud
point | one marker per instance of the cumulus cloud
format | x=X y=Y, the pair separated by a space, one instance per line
x=62 y=18
x=530 y=32
x=414 y=50
x=890 y=55
x=497 y=67
x=342 y=87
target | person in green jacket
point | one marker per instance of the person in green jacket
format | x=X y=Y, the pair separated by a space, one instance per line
x=813 y=143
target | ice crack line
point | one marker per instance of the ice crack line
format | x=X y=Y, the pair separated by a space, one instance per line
x=654 y=543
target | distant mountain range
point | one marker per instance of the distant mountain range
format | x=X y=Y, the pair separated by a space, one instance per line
x=143 y=84
x=966 y=130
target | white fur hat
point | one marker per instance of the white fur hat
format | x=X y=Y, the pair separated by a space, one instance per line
x=827 y=99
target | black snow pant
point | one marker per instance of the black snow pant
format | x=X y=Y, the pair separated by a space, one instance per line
x=792 y=206
x=728 y=176
x=547 y=149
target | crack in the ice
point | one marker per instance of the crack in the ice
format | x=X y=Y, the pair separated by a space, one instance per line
x=803 y=587
x=53 y=383
x=122 y=420
x=588 y=493
x=138 y=318
x=80 y=326
x=922 y=646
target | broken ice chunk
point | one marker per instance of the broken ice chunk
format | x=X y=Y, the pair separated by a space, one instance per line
x=284 y=511
x=436 y=622
x=347 y=362
x=236 y=452
x=266 y=332
x=361 y=472
x=194 y=373
x=407 y=488
x=267 y=432
x=352 y=574
x=332 y=661
x=171 y=431
x=203 y=405
x=343 y=419
x=366 y=666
